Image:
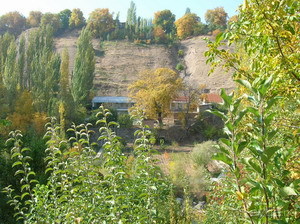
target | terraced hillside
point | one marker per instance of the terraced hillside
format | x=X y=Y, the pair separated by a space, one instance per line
x=119 y=62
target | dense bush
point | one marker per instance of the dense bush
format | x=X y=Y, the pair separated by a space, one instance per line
x=202 y=153
x=85 y=188
x=179 y=67
x=125 y=121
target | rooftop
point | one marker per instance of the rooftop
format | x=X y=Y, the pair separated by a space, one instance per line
x=213 y=98
x=111 y=99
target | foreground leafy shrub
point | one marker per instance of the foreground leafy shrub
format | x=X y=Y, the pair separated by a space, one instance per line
x=261 y=188
x=85 y=188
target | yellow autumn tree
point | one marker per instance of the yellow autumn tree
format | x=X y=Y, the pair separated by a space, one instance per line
x=22 y=117
x=187 y=25
x=39 y=121
x=76 y=19
x=154 y=91
x=101 y=22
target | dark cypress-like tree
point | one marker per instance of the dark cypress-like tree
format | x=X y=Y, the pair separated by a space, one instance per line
x=83 y=74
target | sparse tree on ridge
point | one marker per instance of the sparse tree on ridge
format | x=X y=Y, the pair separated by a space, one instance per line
x=101 y=23
x=216 y=18
x=51 y=19
x=131 y=21
x=34 y=19
x=12 y=22
x=165 y=19
x=64 y=17
x=76 y=19
x=187 y=25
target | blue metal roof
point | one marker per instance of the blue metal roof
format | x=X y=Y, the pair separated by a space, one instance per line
x=111 y=99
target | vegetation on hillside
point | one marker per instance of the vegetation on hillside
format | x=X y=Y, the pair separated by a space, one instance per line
x=103 y=25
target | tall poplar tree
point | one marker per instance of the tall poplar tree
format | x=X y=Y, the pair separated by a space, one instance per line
x=21 y=61
x=83 y=74
x=64 y=74
x=131 y=20
x=11 y=75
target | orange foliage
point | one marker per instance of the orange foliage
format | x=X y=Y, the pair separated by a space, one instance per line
x=186 y=25
x=159 y=34
x=215 y=32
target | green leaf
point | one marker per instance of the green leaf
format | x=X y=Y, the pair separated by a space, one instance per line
x=15 y=155
x=269 y=152
x=288 y=191
x=241 y=147
x=255 y=165
x=245 y=83
x=227 y=98
x=19 y=172
x=25 y=149
x=226 y=141
x=223 y=157
x=25 y=186
x=264 y=86
x=254 y=111
x=24 y=194
x=219 y=114
x=31 y=173
x=269 y=118
x=271 y=102
x=240 y=116
x=17 y=163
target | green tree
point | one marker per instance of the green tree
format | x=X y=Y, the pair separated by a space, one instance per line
x=187 y=11
x=42 y=70
x=101 y=23
x=11 y=72
x=51 y=19
x=84 y=66
x=64 y=74
x=34 y=19
x=21 y=61
x=64 y=17
x=12 y=22
x=5 y=42
x=131 y=21
x=76 y=20
x=66 y=101
x=154 y=90
x=165 y=19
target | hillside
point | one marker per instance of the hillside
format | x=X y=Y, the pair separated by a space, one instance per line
x=119 y=62
x=197 y=70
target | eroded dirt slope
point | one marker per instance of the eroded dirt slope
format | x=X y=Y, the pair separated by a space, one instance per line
x=197 y=69
x=119 y=62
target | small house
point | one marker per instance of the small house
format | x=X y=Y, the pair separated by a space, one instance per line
x=119 y=103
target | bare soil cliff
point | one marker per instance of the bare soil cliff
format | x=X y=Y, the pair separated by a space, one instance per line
x=119 y=62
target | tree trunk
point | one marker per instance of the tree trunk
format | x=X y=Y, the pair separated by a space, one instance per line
x=159 y=118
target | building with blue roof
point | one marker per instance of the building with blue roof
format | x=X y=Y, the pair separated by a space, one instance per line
x=120 y=103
